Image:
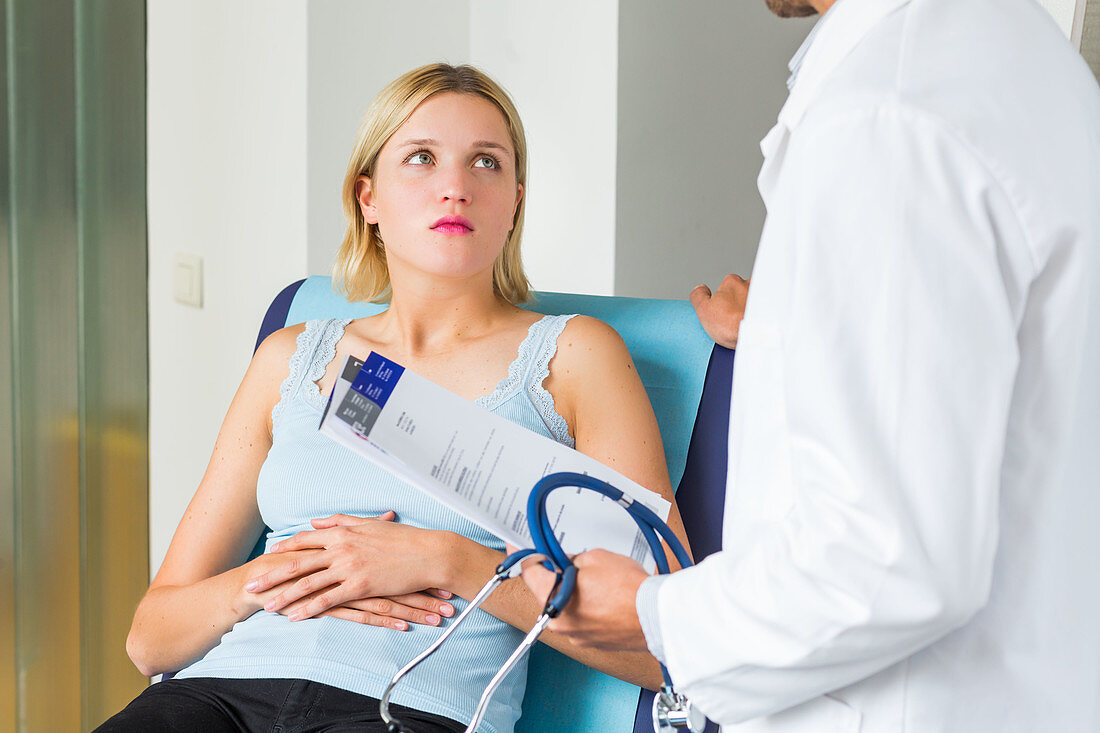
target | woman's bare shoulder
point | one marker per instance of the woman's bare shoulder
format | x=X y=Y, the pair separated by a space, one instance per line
x=588 y=343
x=592 y=363
x=275 y=351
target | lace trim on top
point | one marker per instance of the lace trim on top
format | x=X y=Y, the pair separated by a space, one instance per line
x=532 y=365
x=540 y=397
x=302 y=371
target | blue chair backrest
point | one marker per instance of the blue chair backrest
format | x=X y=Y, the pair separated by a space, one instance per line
x=688 y=381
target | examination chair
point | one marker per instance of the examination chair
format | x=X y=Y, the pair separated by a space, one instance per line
x=688 y=380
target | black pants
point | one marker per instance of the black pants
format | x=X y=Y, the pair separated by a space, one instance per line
x=208 y=705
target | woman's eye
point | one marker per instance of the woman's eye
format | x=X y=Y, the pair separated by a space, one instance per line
x=486 y=161
x=419 y=159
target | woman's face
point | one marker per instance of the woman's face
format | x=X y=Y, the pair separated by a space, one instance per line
x=444 y=190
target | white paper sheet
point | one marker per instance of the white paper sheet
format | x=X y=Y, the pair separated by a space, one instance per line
x=477 y=463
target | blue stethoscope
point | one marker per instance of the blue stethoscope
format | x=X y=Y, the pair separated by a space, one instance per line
x=671 y=710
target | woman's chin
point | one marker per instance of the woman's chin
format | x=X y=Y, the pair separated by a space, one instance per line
x=447 y=273
x=449 y=264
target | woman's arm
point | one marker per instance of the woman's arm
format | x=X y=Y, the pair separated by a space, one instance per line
x=597 y=390
x=197 y=594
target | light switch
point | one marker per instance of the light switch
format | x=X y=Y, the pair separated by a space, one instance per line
x=187 y=281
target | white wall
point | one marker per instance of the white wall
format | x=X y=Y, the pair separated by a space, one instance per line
x=559 y=63
x=227 y=181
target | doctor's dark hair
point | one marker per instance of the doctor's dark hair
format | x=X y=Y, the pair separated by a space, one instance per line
x=360 y=272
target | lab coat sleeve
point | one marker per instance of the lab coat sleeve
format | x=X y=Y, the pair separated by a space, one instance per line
x=645 y=603
x=889 y=373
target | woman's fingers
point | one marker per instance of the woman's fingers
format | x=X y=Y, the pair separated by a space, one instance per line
x=415 y=608
x=424 y=602
x=294 y=566
x=346 y=520
x=366 y=617
x=317 y=539
x=325 y=531
x=446 y=595
x=396 y=612
x=316 y=583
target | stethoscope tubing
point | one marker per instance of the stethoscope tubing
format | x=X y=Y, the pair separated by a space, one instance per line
x=653 y=529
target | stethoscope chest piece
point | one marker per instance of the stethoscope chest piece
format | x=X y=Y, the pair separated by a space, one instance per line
x=674 y=713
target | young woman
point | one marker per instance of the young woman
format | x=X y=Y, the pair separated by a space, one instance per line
x=309 y=633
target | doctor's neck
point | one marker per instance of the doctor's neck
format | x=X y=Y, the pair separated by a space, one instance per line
x=799 y=8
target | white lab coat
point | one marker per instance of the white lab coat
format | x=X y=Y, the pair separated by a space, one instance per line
x=912 y=522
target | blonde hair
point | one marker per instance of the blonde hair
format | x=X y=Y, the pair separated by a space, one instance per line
x=360 y=272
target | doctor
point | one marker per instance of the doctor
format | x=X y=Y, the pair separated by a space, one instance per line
x=912 y=526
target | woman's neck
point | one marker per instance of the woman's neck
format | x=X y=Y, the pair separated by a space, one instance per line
x=427 y=318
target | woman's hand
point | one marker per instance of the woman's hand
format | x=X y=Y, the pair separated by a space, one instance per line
x=394 y=612
x=355 y=560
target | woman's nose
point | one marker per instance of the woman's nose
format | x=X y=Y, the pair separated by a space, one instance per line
x=455 y=186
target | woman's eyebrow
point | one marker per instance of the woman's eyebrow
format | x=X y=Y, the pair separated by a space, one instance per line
x=424 y=142
x=491 y=144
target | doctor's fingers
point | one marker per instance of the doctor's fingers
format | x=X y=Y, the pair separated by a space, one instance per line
x=539 y=580
x=720 y=312
x=701 y=294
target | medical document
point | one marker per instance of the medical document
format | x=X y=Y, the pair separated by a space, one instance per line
x=479 y=464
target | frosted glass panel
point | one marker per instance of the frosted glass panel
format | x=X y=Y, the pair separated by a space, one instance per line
x=73 y=356
x=47 y=455
x=110 y=94
x=7 y=431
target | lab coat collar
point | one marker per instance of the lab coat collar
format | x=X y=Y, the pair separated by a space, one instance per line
x=837 y=36
x=841 y=30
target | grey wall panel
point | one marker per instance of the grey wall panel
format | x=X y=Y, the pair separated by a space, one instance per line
x=1090 y=36
x=700 y=83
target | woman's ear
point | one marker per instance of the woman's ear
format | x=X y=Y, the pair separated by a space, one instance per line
x=519 y=197
x=365 y=195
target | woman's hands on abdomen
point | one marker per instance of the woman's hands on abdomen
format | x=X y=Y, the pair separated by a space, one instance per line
x=378 y=572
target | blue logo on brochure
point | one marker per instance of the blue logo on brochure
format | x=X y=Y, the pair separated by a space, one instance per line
x=377 y=378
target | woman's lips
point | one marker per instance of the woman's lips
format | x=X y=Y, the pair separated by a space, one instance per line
x=453 y=225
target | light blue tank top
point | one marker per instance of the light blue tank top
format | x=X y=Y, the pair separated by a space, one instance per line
x=306 y=475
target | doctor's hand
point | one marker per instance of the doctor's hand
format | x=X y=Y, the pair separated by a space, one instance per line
x=601 y=614
x=366 y=570
x=721 y=312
